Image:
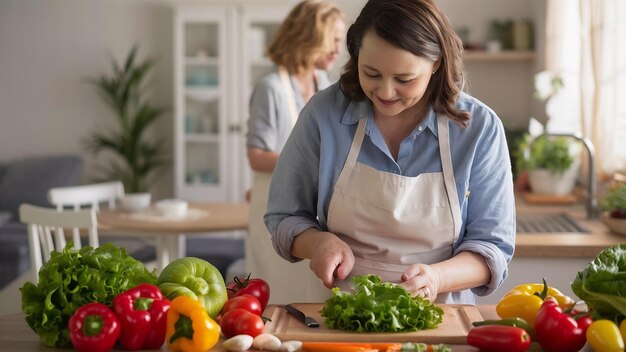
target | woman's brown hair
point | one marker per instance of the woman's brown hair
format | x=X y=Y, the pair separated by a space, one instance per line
x=305 y=35
x=419 y=27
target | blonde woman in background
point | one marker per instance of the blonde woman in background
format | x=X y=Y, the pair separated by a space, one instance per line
x=305 y=46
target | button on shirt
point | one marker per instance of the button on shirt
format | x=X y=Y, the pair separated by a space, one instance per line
x=304 y=177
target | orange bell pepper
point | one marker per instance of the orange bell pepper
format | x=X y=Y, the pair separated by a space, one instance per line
x=189 y=326
x=524 y=301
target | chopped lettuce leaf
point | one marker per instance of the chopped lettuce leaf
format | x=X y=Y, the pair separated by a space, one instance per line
x=376 y=306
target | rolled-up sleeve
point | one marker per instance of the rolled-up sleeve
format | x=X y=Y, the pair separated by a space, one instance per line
x=490 y=223
x=294 y=188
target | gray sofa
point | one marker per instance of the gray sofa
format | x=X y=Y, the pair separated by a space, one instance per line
x=28 y=181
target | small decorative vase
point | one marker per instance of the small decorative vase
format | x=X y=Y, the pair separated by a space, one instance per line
x=616 y=225
x=547 y=182
x=135 y=202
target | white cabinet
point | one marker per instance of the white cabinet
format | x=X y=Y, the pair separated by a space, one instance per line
x=218 y=50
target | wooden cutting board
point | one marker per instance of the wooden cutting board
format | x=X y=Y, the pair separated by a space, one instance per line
x=457 y=321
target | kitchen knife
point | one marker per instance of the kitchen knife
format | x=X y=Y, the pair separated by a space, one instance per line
x=308 y=321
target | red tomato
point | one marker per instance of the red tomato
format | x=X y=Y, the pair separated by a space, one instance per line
x=247 y=302
x=255 y=287
x=232 y=288
x=239 y=321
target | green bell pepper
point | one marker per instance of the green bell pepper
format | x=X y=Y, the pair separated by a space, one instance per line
x=195 y=278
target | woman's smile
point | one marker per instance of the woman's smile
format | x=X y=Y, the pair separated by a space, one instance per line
x=387 y=102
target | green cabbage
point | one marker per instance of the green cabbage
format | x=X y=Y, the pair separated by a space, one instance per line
x=376 y=306
x=196 y=278
x=73 y=278
x=602 y=284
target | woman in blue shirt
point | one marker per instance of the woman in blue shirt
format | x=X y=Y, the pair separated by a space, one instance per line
x=305 y=46
x=394 y=170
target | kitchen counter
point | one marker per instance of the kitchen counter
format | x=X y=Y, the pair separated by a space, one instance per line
x=558 y=257
x=18 y=337
x=564 y=245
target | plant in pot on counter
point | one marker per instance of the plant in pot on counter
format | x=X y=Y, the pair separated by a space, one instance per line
x=615 y=201
x=549 y=162
x=136 y=158
x=614 y=205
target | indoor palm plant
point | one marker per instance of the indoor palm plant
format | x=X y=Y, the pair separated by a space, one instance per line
x=136 y=158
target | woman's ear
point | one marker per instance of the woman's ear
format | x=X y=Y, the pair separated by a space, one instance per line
x=436 y=66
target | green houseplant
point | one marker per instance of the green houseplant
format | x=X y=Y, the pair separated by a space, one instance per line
x=614 y=205
x=136 y=158
x=549 y=162
x=615 y=201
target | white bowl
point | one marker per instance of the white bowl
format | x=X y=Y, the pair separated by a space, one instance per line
x=171 y=207
x=134 y=202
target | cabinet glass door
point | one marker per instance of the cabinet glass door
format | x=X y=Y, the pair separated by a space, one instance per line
x=200 y=100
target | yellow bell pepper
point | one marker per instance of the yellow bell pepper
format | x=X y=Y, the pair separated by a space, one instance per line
x=604 y=336
x=189 y=327
x=524 y=301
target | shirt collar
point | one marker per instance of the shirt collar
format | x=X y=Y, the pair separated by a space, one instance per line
x=430 y=121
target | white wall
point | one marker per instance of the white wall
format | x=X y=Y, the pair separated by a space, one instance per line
x=48 y=48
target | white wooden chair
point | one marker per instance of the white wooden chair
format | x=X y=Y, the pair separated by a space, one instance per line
x=45 y=231
x=91 y=196
x=86 y=195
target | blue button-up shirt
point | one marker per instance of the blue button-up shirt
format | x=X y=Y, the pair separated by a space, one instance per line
x=313 y=157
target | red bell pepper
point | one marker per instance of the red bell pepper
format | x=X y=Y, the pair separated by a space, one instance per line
x=557 y=330
x=142 y=312
x=93 y=328
x=499 y=338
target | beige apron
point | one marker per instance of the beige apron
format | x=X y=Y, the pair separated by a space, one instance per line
x=392 y=221
x=288 y=281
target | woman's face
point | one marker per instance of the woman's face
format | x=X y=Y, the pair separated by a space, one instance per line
x=394 y=79
x=327 y=61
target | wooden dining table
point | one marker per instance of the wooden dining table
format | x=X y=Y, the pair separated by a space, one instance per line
x=170 y=232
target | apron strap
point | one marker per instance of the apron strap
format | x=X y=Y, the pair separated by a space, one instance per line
x=355 y=148
x=448 y=174
x=291 y=99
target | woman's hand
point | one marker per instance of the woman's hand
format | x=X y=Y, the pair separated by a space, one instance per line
x=329 y=255
x=421 y=280
x=464 y=270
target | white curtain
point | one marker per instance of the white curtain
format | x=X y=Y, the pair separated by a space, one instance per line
x=586 y=45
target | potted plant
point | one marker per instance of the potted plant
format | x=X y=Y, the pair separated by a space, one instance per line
x=552 y=170
x=136 y=159
x=614 y=205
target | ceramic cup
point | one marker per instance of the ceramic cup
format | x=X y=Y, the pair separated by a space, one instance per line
x=171 y=207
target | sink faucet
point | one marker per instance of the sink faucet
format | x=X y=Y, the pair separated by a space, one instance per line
x=591 y=204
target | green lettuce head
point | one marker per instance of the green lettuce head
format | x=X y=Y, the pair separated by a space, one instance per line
x=602 y=284
x=73 y=278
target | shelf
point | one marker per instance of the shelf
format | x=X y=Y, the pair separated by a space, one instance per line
x=202 y=93
x=479 y=55
x=202 y=137
x=194 y=60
